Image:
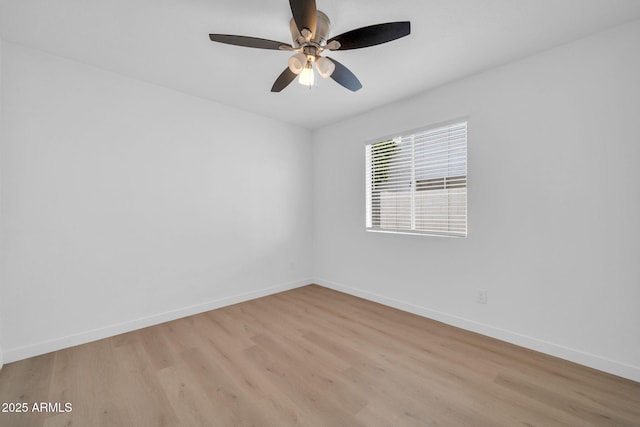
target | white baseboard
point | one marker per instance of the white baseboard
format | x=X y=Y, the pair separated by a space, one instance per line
x=553 y=349
x=54 y=344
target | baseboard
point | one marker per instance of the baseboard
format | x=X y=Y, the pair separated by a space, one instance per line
x=48 y=346
x=553 y=349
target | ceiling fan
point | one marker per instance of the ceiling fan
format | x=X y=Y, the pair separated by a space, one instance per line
x=309 y=30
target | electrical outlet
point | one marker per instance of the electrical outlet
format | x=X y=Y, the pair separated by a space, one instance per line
x=481 y=296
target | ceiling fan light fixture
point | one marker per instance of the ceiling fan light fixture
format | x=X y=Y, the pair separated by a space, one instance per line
x=307 y=76
x=325 y=67
x=297 y=63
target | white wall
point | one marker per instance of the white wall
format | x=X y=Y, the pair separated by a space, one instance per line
x=125 y=204
x=553 y=206
x=1 y=240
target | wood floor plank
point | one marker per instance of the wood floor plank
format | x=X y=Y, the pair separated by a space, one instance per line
x=312 y=357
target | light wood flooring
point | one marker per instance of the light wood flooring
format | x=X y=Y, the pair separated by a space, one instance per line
x=312 y=357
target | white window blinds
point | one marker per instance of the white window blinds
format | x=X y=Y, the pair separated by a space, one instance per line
x=417 y=183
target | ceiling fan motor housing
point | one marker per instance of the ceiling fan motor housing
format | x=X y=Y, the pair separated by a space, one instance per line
x=319 y=38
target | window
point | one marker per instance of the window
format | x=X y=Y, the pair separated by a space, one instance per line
x=417 y=183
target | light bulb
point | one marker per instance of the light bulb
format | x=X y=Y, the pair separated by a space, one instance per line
x=307 y=76
x=325 y=67
x=297 y=63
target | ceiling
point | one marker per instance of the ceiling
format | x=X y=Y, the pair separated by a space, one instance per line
x=165 y=42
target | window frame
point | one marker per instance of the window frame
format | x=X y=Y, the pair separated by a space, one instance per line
x=465 y=120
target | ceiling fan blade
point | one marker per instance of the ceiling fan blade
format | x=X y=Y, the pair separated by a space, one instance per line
x=372 y=35
x=283 y=80
x=344 y=77
x=250 y=42
x=304 y=14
